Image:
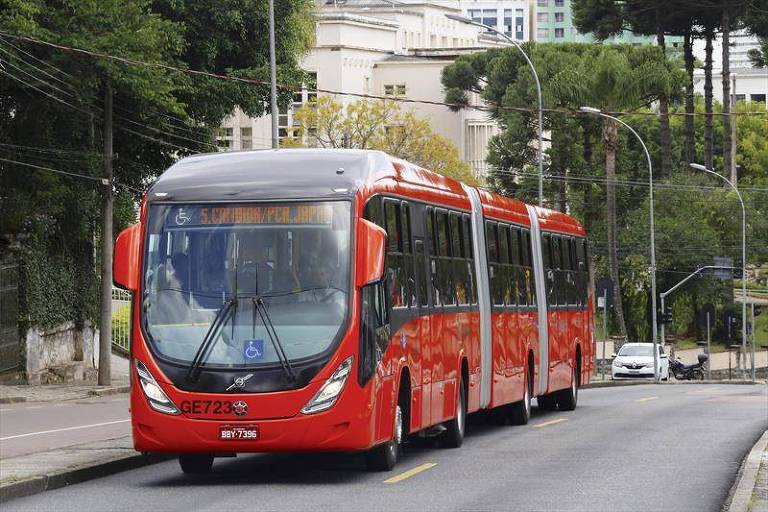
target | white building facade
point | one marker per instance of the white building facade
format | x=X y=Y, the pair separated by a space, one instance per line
x=383 y=48
x=511 y=17
x=751 y=84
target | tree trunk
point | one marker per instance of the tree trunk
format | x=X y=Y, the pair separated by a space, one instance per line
x=105 y=327
x=587 y=155
x=726 y=76
x=690 y=130
x=610 y=136
x=665 y=134
x=709 y=137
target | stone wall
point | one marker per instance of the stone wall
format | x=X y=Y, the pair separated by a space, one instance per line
x=61 y=354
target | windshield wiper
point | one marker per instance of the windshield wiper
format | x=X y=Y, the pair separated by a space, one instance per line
x=261 y=309
x=204 y=350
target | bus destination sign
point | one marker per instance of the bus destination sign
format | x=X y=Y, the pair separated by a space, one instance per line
x=262 y=214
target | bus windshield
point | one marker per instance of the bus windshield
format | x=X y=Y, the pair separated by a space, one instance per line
x=294 y=256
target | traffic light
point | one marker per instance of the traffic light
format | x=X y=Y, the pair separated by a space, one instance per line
x=666 y=316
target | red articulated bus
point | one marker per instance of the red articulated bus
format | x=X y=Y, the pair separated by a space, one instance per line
x=339 y=300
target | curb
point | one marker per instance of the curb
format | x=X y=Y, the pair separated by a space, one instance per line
x=12 y=399
x=43 y=483
x=109 y=391
x=619 y=383
x=741 y=494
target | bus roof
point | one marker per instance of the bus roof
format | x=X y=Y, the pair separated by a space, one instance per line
x=268 y=175
x=288 y=174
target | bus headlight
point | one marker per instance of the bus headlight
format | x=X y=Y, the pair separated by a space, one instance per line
x=326 y=397
x=156 y=397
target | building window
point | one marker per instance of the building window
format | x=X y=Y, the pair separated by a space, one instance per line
x=542 y=33
x=485 y=16
x=246 y=137
x=559 y=33
x=559 y=17
x=542 y=17
x=542 y=3
x=508 y=22
x=758 y=97
x=559 y=3
x=394 y=90
x=478 y=136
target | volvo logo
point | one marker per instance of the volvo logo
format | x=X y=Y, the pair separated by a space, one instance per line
x=240 y=408
x=239 y=382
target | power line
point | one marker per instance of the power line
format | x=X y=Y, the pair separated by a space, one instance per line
x=103 y=181
x=251 y=81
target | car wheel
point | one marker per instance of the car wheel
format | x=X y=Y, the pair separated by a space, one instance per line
x=520 y=412
x=196 y=463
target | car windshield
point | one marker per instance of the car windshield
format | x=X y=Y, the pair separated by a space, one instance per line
x=201 y=257
x=636 y=350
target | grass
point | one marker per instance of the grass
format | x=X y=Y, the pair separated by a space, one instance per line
x=120 y=326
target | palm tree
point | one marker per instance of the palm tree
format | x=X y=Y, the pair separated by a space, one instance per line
x=616 y=78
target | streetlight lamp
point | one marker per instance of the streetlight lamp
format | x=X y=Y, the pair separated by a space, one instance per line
x=273 y=76
x=598 y=112
x=468 y=21
x=700 y=167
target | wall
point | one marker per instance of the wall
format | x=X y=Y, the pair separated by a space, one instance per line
x=61 y=354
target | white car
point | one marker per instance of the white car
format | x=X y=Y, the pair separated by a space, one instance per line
x=635 y=361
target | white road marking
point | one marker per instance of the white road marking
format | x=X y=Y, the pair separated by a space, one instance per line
x=34 y=407
x=63 y=429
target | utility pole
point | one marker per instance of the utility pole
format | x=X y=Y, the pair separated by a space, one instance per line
x=273 y=77
x=105 y=328
x=734 y=174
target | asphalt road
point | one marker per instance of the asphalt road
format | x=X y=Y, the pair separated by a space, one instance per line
x=35 y=427
x=635 y=448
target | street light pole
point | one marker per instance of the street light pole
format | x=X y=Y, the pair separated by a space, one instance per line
x=273 y=76
x=700 y=167
x=654 y=325
x=468 y=21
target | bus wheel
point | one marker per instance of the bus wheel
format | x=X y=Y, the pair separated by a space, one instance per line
x=384 y=456
x=520 y=412
x=567 y=398
x=547 y=402
x=196 y=463
x=453 y=437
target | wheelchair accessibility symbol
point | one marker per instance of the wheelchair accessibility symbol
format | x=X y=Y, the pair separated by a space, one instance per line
x=253 y=349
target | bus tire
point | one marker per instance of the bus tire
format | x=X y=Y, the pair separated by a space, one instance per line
x=567 y=398
x=453 y=437
x=520 y=412
x=384 y=456
x=196 y=463
x=547 y=402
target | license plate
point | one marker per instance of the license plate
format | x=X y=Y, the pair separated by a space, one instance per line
x=634 y=371
x=238 y=432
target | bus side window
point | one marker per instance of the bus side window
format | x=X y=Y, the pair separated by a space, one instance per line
x=394 y=257
x=447 y=290
x=408 y=277
x=469 y=253
x=372 y=211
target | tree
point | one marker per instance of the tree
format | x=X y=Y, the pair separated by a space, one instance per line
x=381 y=125
x=607 y=18
x=55 y=104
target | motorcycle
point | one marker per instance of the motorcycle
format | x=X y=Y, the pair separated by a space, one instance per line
x=682 y=371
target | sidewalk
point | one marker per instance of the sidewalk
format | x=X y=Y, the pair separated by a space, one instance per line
x=10 y=394
x=750 y=492
x=38 y=472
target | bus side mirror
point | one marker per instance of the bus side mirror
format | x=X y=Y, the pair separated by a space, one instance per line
x=370 y=253
x=125 y=264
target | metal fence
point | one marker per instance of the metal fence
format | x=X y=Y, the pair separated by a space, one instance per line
x=121 y=319
x=10 y=348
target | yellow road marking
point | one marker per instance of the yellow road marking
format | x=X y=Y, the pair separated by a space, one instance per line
x=646 y=399
x=410 y=473
x=551 y=422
